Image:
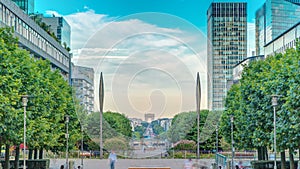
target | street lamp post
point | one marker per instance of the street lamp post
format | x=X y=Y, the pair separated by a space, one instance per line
x=274 y=104
x=24 y=101
x=81 y=146
x=67 y=138
x=232 y=142
x=217 y=140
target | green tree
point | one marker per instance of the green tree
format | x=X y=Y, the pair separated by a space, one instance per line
x=50 y=101
x=250 y=103
x=119 y=122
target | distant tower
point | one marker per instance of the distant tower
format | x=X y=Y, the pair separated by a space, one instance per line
x=227 y=46
x=272 y=19
x=26 y=5
x=149 y=117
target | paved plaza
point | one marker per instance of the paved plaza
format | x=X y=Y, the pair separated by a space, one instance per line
x=125 y=163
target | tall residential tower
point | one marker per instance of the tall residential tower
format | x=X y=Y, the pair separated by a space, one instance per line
x=227 y=46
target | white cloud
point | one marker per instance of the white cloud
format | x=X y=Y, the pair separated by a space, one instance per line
x=52 y=13
x=138 y=58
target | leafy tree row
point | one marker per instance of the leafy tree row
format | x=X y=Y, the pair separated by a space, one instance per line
x=184 y=127
x=51 y=100
x=250 y=104
x=116 y=130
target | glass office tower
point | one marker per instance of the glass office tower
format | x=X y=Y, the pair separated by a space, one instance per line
x=26 y=5
x=272 y=19
x=227 y=46
x=60 y=27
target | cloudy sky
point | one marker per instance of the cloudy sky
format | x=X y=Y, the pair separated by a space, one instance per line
x=148 y=50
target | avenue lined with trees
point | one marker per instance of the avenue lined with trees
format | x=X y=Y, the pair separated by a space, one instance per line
x=51 y=100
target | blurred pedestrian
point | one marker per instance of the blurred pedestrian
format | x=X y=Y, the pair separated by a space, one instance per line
x=188 y=164
x=112 y=159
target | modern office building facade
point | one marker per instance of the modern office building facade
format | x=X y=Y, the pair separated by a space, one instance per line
x=26 y=5
x=33 y=38
x=83 y=83
x=60 y=27
x=227 y=46
x=272 y=19
x=284 y=41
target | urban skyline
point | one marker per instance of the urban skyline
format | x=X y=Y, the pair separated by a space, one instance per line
x=156 y=95
x=84 y=56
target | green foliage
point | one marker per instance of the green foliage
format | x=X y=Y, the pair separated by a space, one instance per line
x=116 y=143
x=250 y=103
x=119 y=122
x=185 y=145
x=114 y=125
x=181 y=125
x=184 y=127
x=51 y=99
x=157 y=129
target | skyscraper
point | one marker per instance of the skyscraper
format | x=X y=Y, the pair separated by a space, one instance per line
x=26 y=5
x=60 y=27
x=272 y=19
x=227 y=46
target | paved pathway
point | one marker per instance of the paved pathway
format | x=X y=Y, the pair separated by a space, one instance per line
x=125 y=163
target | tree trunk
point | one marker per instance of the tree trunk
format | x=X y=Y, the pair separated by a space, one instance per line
x=17 y=156
x=292 y=161
x=6 y=164
x=35 y=153
x=262 y=153
x=265 y=153
x=282 y=158
x=259 y=153
x=30 y=154
x=41 y=153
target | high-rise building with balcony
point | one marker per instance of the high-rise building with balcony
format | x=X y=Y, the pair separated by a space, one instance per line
x=274 y=18
x=83 y=83
x=26 y=5
x=227 y=46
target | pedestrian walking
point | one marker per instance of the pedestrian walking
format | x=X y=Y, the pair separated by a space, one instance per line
x=112 y=159
x=188 y=164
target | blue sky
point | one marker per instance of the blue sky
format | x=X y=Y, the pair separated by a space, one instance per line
x=192 y=10
x=148 y=50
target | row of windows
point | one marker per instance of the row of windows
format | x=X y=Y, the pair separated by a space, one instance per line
x=22 y=28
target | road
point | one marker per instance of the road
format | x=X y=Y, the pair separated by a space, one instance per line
x=125 y=163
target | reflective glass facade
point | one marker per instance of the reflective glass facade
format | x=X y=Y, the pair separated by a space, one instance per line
x=272 y=19
x=26 y=5
x=227 y=46
x=61 y=29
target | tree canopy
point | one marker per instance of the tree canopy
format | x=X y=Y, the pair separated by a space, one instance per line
x=50 y=99
x=250 y=103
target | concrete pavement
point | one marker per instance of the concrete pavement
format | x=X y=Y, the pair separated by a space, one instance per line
x=125 y=163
